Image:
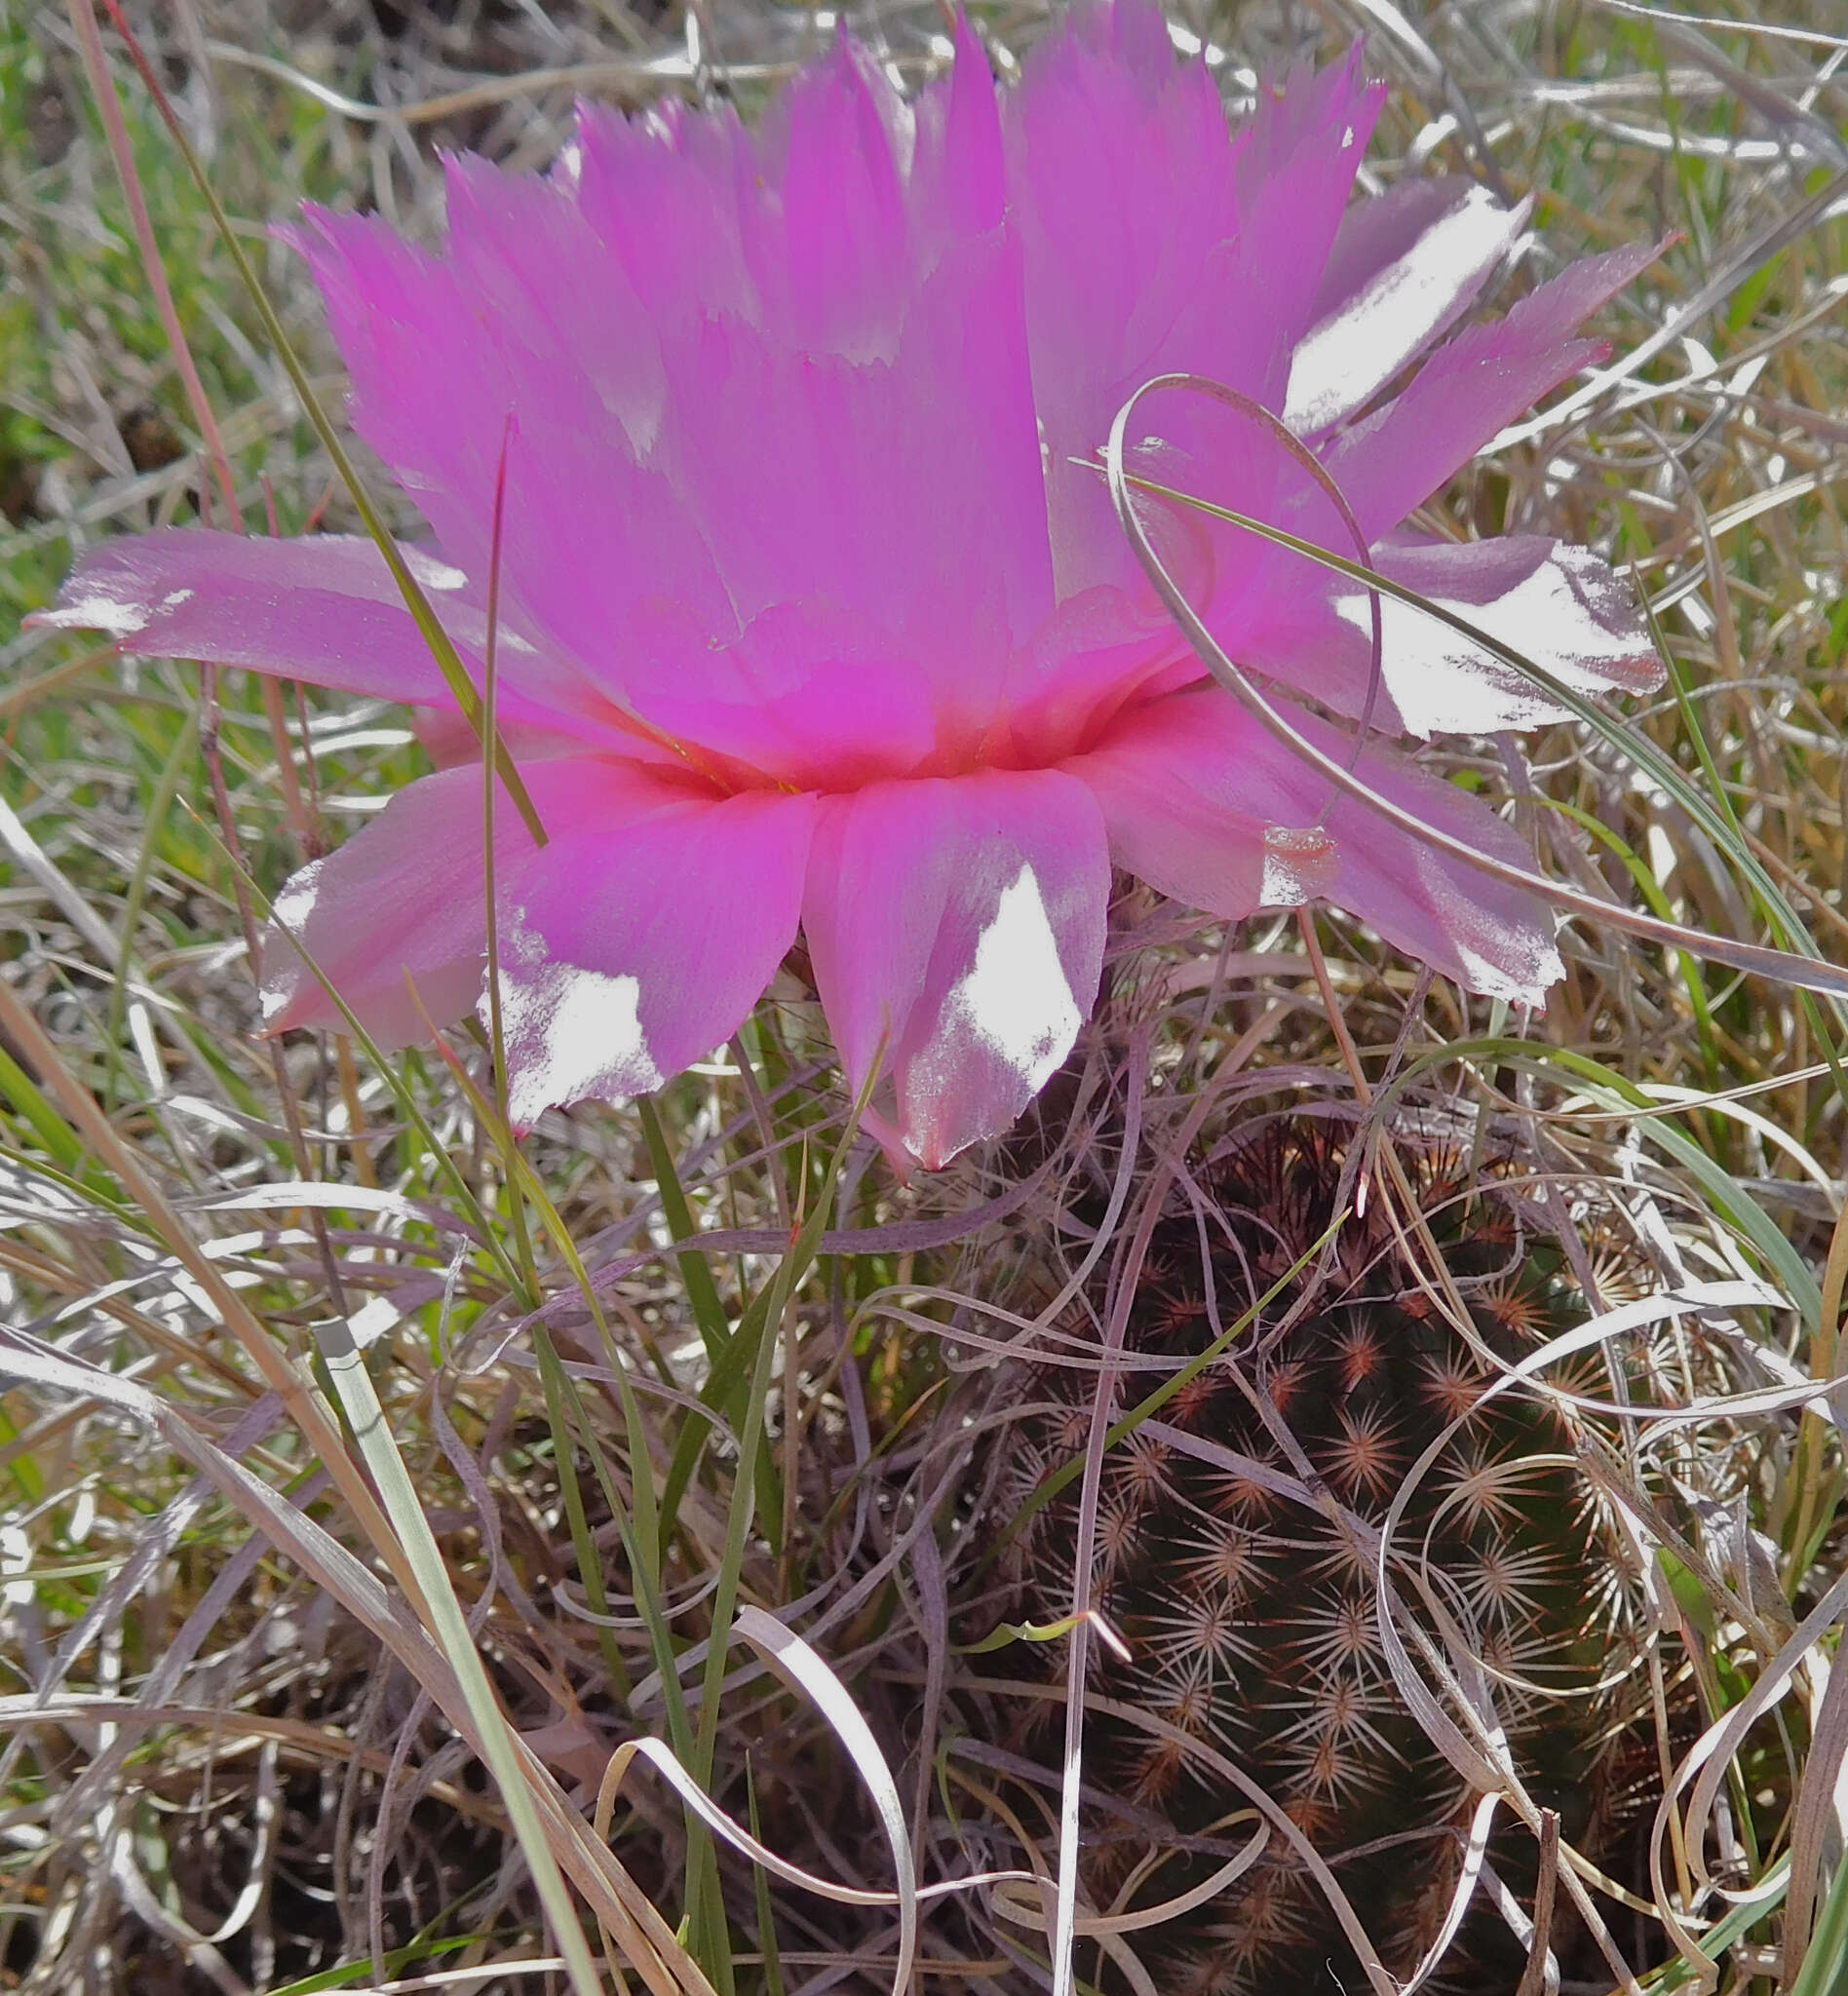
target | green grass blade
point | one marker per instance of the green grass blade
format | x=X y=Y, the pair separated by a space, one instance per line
x=702 y=1293
x=1825 y=1969
x=773 y=1983
x=378 y=1449
x=566 y=1437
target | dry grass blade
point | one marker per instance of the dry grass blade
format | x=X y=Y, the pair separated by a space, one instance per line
x=257 y=1341
x=471 y=1688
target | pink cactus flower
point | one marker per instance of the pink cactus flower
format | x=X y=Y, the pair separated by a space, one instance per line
x=814 y=612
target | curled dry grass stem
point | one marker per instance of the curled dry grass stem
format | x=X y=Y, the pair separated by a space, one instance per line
x=1809 y=970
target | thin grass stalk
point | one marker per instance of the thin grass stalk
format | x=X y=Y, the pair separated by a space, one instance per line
x=1605 y=1086
x=702 y=1293
x=1811 y=1518
x=346 y=1365
x=165 y=786
x=502 y=1128
x=565 y=1437
x=773 y=1983
x=1152 y=1403
x=637 y=1523
x=441 y=649
x=83 y=19
x=407 y=1103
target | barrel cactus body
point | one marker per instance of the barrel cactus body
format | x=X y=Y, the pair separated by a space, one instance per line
x=1237 y=1539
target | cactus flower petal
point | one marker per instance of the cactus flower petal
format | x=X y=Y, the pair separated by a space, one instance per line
x=959 y=923
x=1404 y=269
x=814 y=608
x=1195 y=793
x=1553 y=602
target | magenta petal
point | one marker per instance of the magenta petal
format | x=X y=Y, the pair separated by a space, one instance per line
x=1096 y=147
x=1406 y=267
x=323 y=609
x=1096 y=652
x=1105 y=134
x=509 y=237
x=401 y=898
x=961 y=921
x=589 y=529
x=431 y=390
x=1556 y=603
x=1490 y=937
x=633 y=942
x=960 y=165
x=448 y=740
x=811 y=696
x=666 y=195
x=1471 y=388
x=905 y=494
x=1295 y=171
x=1177 y=827
x=1185 y=780
x=639 y=938
x=831 y=257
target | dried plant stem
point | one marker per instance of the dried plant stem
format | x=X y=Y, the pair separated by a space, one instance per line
x=83 y=19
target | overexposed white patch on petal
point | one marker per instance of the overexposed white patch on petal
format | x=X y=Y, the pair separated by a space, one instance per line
x=1015 y=997
x=291 y=909
x=432 y=573
x=1521 y=981
x=1353 y=352
x=582 y=1032
x=1555 y=604
x=1301 y=862
x=92 y=610
x=1438 y=680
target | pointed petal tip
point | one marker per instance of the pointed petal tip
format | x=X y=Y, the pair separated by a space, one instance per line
x=905 y=1162
x=983 y=972
x=642 y=934
x=1518 y=981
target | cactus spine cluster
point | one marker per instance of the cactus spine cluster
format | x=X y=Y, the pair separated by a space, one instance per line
x=1236 y=1543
